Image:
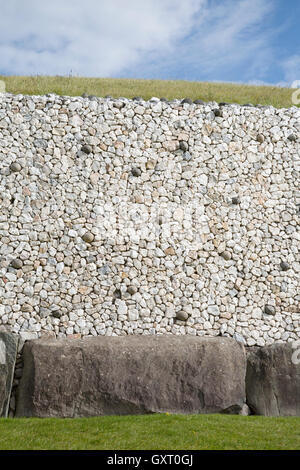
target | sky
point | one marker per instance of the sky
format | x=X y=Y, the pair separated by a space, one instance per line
x=242 y=41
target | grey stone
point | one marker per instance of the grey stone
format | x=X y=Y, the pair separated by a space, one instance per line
x=131 y=375
x=16 y=263
x=119 y=104
x=239 y=338
x=226 y=255
x=8 y=354
x=104 y=270
x=235 y=200
x=88 y=237
x=117 y=294
x=187 y=101
x=136 y=171
x=187 y=156
x=270 y=310
x=27 y=308
x=44 y=312
x=86 y=149
x=273 y=380
x=15 y=167
x=218 y=112
x=284 y=266
x=28 y=335
x=181 y=315
x=56 y=314
x=260 y=138
x=183 y=145
x=245 y=411
x=41 y=143
x=131 y=290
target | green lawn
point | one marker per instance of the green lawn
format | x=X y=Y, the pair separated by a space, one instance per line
x=170 y=89
x=152 y=432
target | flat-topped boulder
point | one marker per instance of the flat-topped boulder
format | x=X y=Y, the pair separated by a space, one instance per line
x=273 y=380
x=98 y=376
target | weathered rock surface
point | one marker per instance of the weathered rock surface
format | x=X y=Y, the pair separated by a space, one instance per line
x=273 y=381
x=8 y=354
x=131 y=375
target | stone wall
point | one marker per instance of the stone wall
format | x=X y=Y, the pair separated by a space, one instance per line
x=122 y=217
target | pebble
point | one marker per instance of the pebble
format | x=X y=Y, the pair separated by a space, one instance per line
x=131 y=290
x=136 y=171
x=260 y=138
x=226 y=255
x=187 y=156
x=17 y=263
x=187 y=101
x=15 y=167
x=183 y=146
x=218 y=112
x=270 y=310
x=86 y=149
x=88 y=237
x=122 y=308
x=235 y=200
x=182 y=316
x=284 y=266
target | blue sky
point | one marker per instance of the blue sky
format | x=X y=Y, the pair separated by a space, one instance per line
x=249 y=41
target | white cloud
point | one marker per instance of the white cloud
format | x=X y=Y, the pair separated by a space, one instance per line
x=91 y=38
x=281 y=84
x=189 y=39
x=229 y=41
x=291 y=69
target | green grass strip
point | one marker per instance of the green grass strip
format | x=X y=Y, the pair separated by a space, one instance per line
x=152 y=432
x=170 y=89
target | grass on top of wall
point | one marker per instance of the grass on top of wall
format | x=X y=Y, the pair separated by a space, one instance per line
x=152 y=432
x=170 y=89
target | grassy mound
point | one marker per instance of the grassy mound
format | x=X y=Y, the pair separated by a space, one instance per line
x=170 y=89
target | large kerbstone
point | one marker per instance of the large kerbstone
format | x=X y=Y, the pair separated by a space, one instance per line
x=131 y=375
x=273 y=380
x=8 y=354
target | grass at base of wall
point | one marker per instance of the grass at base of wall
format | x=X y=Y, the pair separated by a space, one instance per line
x=170 y=89
x=152 y=432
